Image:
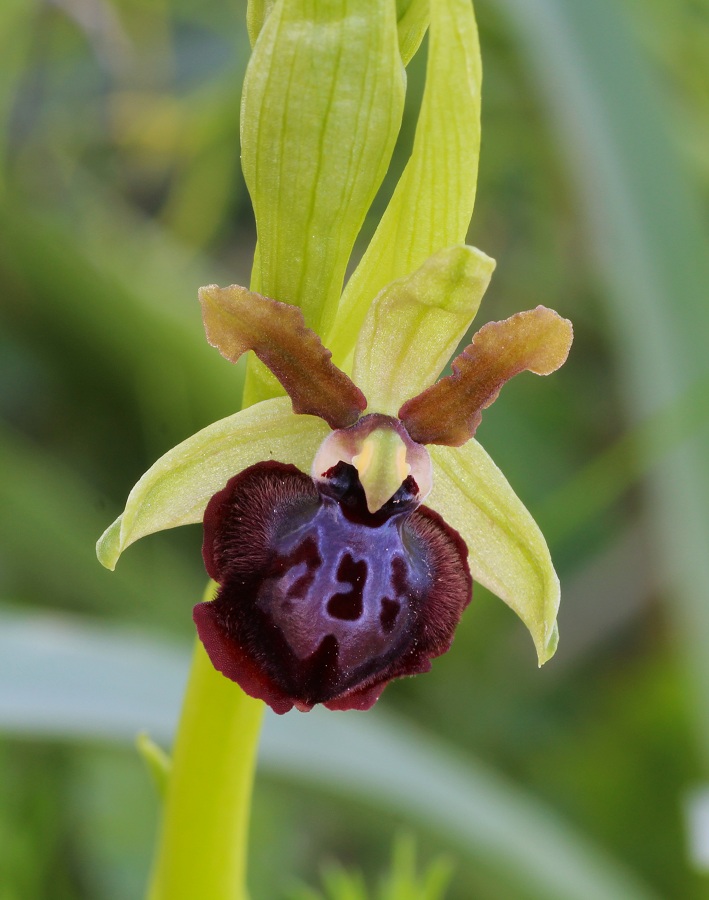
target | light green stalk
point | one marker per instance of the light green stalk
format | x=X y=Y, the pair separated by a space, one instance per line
x=203 y=841
x=309 y=208
x=204 y=836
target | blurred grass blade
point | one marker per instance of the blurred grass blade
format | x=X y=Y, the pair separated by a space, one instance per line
x=67 y=680
x=17 y=19
x=632 y=456
x=500 y=827
x=403 y=882
x=647 y=233
x=207 y=182
x=66 y=294
x=156 y=760
x=62 y=679
x=51 y=516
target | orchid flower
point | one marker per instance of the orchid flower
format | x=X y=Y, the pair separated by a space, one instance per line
x=334 y=575
x=334 y=582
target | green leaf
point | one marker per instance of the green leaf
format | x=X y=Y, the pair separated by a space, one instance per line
x=415 y=324
x=433 y=201
x=403 y=881
x=176 y=489
x=412 y=17
x=156 y=760
x=257 y=11
x=508 y=554
x=411 y=21
x=322 y=104
x=343 y=885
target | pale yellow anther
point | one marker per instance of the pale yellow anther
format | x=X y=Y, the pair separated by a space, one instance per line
x=382 y=466
x=403 y=468
x=363 y=460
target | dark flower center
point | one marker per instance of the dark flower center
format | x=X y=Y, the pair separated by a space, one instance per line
x=341 y=483
x=344 y=576
x=318 y=595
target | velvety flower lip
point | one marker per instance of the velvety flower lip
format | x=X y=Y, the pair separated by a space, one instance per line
x=320 y=600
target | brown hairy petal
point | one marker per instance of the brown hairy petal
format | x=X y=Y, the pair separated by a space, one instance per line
x=449 y=412
x=236 y=320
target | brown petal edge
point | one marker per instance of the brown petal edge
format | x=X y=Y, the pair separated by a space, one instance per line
x=236 y=320
x=449 y=412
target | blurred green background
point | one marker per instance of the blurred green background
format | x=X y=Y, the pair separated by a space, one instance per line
x=120 y=194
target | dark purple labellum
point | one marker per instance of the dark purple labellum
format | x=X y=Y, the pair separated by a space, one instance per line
x=321 y=601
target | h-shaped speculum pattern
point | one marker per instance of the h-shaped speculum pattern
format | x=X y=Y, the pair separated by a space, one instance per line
x=332 y=600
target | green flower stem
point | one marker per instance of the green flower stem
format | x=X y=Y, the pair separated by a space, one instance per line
x=204 y=836
x=202 y=848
